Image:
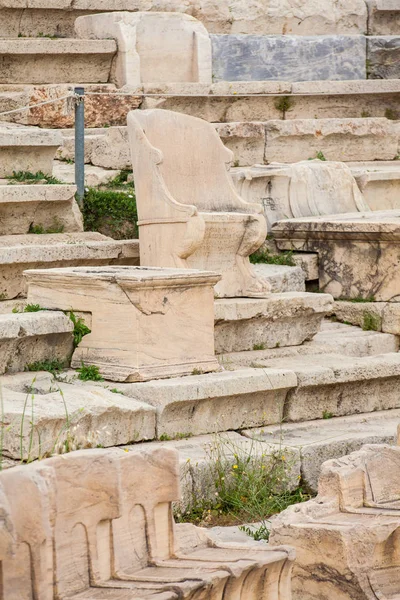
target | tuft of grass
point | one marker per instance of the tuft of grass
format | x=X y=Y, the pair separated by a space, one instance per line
x=28 y=177
x=197 y=371
x=121 y=180
x=29 y=308
x=80 y=329
x=89 y=373
x=371 y=322
x=283 y=104
x=327 y=415
x=57 y=227
x=266 y=257
x=52 y=365
x=391 y=114
x=116 y=391
x=259 y=347
x=109 y=212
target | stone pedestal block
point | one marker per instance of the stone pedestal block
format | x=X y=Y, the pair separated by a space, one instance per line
x=146 y=323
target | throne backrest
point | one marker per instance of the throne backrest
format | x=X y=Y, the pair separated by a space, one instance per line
x=190 y=158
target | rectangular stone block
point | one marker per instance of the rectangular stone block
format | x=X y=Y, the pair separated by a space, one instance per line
x=27 y=149
x=380 y=187
x=281 y=320
x=338 y=139
x=216 y=402
x=146 y=323
x=383 y=57
x=288 y=58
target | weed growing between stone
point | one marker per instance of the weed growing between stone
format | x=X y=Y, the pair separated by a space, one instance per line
x=89 y=373
x=28 y=177
x=241 y=484
x=111 y=213
x=80 y=329
x=266 y=257
x=38 y=229
x=29 y=308
x=371 y=322
x=54 y=366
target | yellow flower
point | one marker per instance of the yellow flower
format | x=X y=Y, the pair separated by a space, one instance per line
x=235 y=466
x=283 y=457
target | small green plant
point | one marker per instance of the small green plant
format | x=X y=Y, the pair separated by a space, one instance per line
x=266 y=257
x=365 y=114
x=164 y=437
x=197 y=371
x=52 y=365
x=89 y=373
x=109 y=212
x=327 y=415
x=320 y=155
x=283 y=104
x=120 y=180
x=391 y=114
x=57 y=227
x=28 y=177
x=3 y=296
x=371 y=322
x=259 y=347
x=80 y=329
x=116 y=391
x=29 y=308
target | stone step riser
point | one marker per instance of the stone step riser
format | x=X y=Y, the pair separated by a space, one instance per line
x=27 y=149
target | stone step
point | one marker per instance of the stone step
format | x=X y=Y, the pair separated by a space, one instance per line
x=44 y=60
x=282 y=278
x=34 y=337
x=23 y=207
x=379 y=183
x=384 y=17
x=27 y=149
x=32 y=251
x=51 y=412
x=222 y=101
x=253 y=143
x=94 y=176
x=324 y=17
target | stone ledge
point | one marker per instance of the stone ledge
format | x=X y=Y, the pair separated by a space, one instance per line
x=386 y=315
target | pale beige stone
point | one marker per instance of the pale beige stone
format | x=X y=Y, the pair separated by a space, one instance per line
x=190 y=215
x=347 y=538
x=339 y=139
x=24 y=206
x=152 y=47
x=31 y=337
x=309 y=264
x=27 y=149
x=357 y=252
x=245 y=140
x=217 y=401
x=380 y=188
x=281 y=320
x=146 y=323
x=44 y=60
x=384 y=17
x=303 y=189
x=21 y=252
x=282 y=278
x=94 y=176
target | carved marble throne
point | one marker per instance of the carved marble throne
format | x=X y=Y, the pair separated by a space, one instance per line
x=190 y=214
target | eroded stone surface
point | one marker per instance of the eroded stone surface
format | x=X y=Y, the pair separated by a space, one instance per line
x=383 y=55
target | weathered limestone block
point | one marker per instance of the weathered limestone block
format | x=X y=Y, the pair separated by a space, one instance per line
x=383 y=56
x=383 y=17
x=190 y=215
x=24 y=206
x=27 y=149
x=278 y=321
x=152 y=47
x=245 y=140
x=21 y=252
x=382 y=316
x=96 y=416
x=319 y=441
x=304 y=189
x=358 y=253
x=216 y=402
x=31 y=337
x=146 y=323
x=338 y=139
x=380 y=188
x=309 y=264
x=288 y=58
x=343 y=338
x=282 y=278
x=347 y=538
x=94 y=176
x=300 y=17
x=46 y=60
x=113 y=536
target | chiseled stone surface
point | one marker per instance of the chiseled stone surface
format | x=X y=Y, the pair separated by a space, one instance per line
x=380 y=187
x=96 y=415
x=152 y=47
x=349 y=531
x=94 y=176
x=290 y=58
x=44 y=60
x=338 y=139
x=146 y=323
x=297 y=17
x=281 y=320
x=383 y=56
x=31 y=337
x=385 y=315
x=318 y=441
x=383 y=17
x=31 y=251
x=24 y=206
x=27 y=149
x=115 y=532
x=357 y=252
x=215 y=402
x=282 y=278
x=343 y=338
x=187 y=202
x=245 y=140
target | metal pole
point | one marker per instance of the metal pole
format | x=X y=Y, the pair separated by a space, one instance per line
x=80 y=144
